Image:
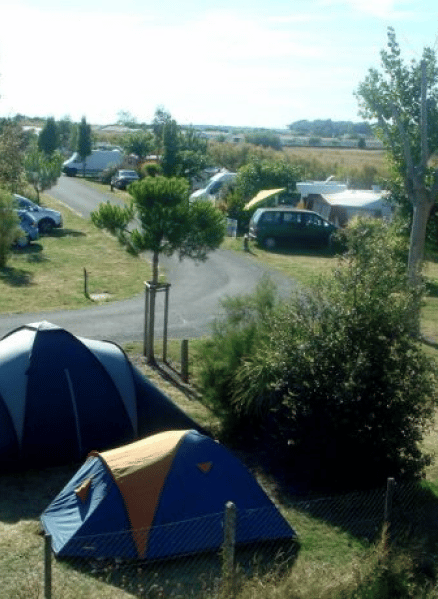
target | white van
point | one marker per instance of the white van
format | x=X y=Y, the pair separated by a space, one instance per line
x=214 y=186
x=95 y=163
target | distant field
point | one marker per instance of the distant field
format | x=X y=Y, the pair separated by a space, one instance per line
x=341 y=159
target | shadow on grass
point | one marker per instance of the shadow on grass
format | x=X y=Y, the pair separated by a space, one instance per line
x=197 y=575
x=65 y=233
x=15 y=277
x=25 y=494
x=432 y=288
x=298 y=250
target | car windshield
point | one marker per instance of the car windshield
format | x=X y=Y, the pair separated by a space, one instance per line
x=127 y=174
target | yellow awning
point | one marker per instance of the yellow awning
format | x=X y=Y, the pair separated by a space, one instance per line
x=264 y=194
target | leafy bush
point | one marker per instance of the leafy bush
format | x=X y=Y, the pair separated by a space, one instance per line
x=9 y=226
x=333 y=381
x=234 y=337
x=266 y=174
x=150 y=169
x=108 y=173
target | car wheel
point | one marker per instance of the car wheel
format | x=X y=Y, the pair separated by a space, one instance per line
x=45 y=226
x=269 y=243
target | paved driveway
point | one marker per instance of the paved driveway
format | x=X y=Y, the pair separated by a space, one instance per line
x=195 y=293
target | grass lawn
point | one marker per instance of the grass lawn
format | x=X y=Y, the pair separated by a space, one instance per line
x=49 y=274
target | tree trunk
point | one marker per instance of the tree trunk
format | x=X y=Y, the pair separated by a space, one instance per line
x=155 y=258
x=421 y=211
x=150 y=333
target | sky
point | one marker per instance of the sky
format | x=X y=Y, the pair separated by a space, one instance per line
x=248 y=63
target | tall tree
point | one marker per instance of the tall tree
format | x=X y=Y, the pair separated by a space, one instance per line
x=140 y=143
x=183 y=153
x=48 y=139
x=84 y=141
x=65 y=127
x=403 y=99
x=12 y=146
x=171 y=146
x=167 y=223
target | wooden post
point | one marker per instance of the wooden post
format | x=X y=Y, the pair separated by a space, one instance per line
x=390 y=484
x=228 y=549
x=146 y=319
x=166 y=321
x=150 y=356
x=85 y=282
x=47 y=567
x=185 y=360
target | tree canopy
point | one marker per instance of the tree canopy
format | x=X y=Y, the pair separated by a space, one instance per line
x=403 y=101
x=84 y=139
x=183 y=152
x=48 y=139
x=167 y=221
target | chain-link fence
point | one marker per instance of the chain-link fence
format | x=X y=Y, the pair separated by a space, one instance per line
x=182 y=570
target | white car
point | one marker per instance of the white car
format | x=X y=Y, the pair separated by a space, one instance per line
x=46 y=218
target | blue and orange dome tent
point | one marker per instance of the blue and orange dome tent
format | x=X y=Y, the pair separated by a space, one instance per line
x=159 y=497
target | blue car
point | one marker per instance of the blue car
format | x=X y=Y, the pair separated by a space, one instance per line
x=29 y=227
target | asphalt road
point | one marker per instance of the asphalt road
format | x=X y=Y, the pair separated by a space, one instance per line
x=195 y=293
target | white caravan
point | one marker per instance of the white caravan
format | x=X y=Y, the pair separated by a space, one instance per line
x=95 y=163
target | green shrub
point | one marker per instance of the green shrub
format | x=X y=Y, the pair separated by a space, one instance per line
x=150 y=169
x=334 y=382
x=107 y=174
x=9 y=226
x=234 y=338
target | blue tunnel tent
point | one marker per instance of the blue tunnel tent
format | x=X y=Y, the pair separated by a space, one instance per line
x=62 y=396
x=159 y=497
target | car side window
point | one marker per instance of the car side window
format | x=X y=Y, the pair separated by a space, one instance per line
x=271 y=217
x=314 y=221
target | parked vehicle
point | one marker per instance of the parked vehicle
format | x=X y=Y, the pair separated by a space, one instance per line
x=214 y=187
x=29 y=227
x=272 y=227
x=123 y=178
x=46 y=218
x=94 y=164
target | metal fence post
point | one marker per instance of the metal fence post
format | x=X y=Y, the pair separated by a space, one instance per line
x=47 y=567
x=228 y=549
